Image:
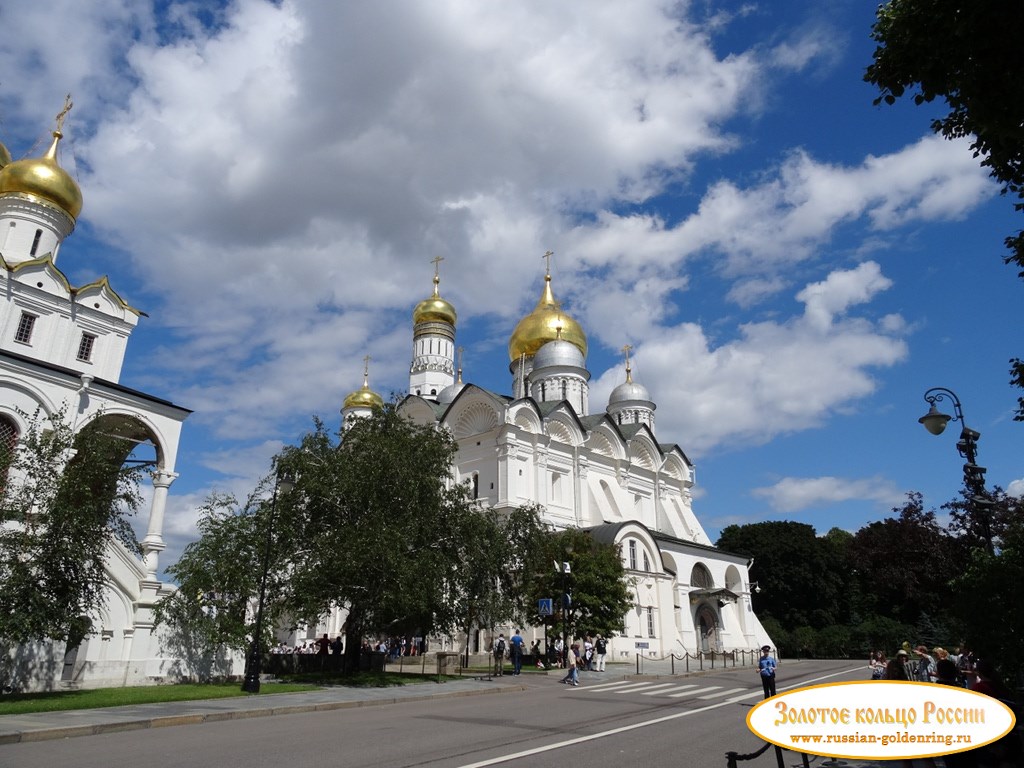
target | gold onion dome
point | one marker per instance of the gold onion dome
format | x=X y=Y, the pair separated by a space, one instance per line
x=364 y=397
x=43 y=177
x=547 y=322
x=435 y=309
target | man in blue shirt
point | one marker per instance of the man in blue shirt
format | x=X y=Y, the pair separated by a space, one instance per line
x=766 y=668
x=516 y=643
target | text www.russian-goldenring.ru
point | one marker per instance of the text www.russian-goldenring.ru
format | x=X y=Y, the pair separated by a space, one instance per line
x=885 y=740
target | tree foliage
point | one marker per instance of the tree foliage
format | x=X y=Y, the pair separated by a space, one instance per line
x=597 y=583
x=800 y=585
x=218 y=577
x=67 y=498
x=968 y=54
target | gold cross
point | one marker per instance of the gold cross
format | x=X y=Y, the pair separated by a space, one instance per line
x=64 y=112
x=366 y=366
x=547 y=257
x=437 y=262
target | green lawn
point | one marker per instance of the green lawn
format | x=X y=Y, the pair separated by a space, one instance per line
x=23 y=703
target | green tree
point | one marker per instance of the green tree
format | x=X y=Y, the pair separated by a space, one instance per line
x=968 y=54
x=68 y=497
x=985 y=595
x=218 y=577
x=906 y=563
x=597 y=583
x=799 y=579
x=374 y=524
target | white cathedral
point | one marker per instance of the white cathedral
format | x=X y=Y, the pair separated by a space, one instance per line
x=62 y=348
x=605 y=471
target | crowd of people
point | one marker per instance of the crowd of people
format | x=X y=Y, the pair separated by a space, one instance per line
x=938 y=665
x=587 y=653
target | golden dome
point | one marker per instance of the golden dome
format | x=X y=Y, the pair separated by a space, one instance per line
x=43 y=177
x=547 y=322
x=364 y=397
x=5 y=155
x=435 y=309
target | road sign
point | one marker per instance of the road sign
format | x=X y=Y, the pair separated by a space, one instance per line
x=544 y=606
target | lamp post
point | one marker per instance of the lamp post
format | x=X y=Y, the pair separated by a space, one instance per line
x=283 y=482
x=967 y=446
x=566 y=602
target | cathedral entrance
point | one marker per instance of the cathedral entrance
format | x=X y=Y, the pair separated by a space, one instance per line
x=707 y=629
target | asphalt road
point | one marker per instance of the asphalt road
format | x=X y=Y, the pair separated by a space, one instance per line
x=658 y=721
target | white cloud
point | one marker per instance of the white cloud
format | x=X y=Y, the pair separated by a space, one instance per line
x=775 y=377
x=793 y=494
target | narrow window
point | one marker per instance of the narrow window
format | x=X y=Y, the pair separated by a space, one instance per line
x=35 y=242
x=85 y=347
x=476 y=486
x=647 y=563
x=25 y=326
x=8 y=440
x=632 y=554
x=564 y=390
x=650 y=621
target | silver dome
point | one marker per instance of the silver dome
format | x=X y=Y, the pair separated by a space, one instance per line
x=449 y=393
x=558 y=353
x=629 y=390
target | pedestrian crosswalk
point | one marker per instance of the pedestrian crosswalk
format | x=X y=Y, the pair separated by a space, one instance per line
x=674 y=690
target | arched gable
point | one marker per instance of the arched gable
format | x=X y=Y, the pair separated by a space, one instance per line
x=524 y=414
x=605 y=440
x=644 y=453
x=135 y=427
x=43 y=275
x=18 y=395
x=563 y=426
x=100 y=296
x=676 y=468
x=474 y=418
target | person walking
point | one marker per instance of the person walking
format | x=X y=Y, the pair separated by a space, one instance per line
x=516 y=646
x=766 y=668
x=498 y=649
x=572 y=674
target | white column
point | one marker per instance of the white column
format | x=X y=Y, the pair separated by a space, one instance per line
x=154 y=544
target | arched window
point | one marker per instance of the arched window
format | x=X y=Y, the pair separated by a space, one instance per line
x=700 y=577
x=632 y=554
x=8 y=439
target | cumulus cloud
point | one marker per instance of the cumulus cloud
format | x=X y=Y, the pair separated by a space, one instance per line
x=793 y=494
x=774 y=377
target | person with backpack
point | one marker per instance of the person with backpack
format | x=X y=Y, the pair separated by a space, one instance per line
x=498 y=649
x=766 y=668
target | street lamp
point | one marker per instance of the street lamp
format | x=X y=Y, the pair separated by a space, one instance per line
x=967 y=446
x=283 y=482
x=566 y=602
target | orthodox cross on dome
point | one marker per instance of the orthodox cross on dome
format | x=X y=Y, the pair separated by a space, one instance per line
x=547 y=259
x=459 y=351
x=366 y=370
x=629 y=371
x=437 y=277
x=64 y=112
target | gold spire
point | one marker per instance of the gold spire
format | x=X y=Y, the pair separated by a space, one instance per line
x=42 y=177
x=458 y=380
x=547 y=322
x=435 y=309
x=629 y=371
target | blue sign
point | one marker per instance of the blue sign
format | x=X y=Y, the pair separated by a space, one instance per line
x=642 y=645
x=544 y=606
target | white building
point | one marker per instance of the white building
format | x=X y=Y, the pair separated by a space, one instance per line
x=62 y=346
x=604 y=470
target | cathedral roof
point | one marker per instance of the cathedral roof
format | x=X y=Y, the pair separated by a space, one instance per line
x=364 y=397
x=547 y=322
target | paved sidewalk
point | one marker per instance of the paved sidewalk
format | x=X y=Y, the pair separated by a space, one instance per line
x=87 y=722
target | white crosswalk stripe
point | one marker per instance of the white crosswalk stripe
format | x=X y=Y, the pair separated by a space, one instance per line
x=676 y=689
x=694 y=693
x=726 y=692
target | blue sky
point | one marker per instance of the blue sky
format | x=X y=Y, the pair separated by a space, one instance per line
x=793 y=265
